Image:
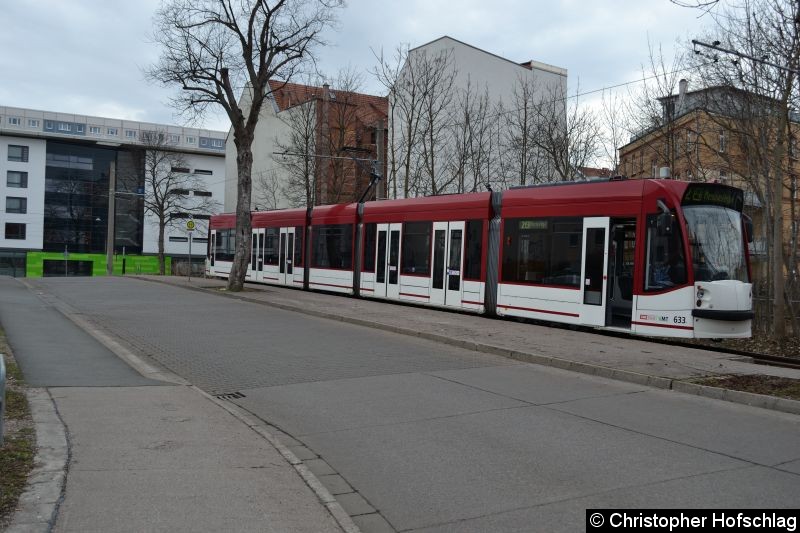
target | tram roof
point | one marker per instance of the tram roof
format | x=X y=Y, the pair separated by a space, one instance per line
x=282 y=217
x=429 y=208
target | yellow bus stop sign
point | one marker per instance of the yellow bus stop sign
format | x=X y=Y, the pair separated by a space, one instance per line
x=190 y=225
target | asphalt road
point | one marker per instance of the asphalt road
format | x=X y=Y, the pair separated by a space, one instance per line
x=442 y=439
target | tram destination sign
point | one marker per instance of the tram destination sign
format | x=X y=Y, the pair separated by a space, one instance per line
x=714 y=194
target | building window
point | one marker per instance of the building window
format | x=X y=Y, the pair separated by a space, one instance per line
x=14 y=121
x=94 y=130
x=48 y=125
x=15 y=231
x=641 y=161
x=33 y=123
x=203 y=142
x=17 y=153
x=130 y=134
x=112 y=131
x=189 y=139
x=16 y=204
x=202 y=193
x=654 y=167
x=179 y=192
x=16 y=179
x=691 y=140
x=63 y=126
x=179 y=170
x=179 y=239
x=217 y=143
x=204 y=172
x=723 y=142
x=174 y=139
x=79 y=128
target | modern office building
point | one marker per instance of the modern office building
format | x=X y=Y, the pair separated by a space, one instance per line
x=55 y=175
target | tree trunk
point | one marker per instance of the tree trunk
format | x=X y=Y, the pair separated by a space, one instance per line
x=778 y=281
x=161 y=268
x=244 y=231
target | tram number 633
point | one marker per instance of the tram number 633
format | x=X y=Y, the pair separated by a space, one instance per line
x=680 y=320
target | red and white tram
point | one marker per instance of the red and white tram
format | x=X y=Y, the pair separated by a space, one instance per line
x=650 y=257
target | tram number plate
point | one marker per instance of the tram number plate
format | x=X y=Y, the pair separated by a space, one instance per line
x=680 y=319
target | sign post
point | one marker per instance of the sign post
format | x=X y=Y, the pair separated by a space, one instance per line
x=190 y=229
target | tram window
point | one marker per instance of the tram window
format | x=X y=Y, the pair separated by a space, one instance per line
x=473 y=249
x=416 y=248
x=370 y=235
x=225 y=245
x=299 y=236
x=271 y=246
x=543 y=251
x=666 y=265
x=333 y=246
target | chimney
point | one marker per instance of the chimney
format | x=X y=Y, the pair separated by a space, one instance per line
x=683 y=85
x=323 y=168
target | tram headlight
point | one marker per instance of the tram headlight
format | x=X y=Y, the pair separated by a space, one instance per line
x=700 y=294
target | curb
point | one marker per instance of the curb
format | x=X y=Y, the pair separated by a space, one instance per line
x=37 y=508
x=261 y=428
x=746 y=398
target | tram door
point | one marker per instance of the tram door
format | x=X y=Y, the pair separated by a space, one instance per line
x=448 y=253
x=387 y=261
x=286 y=256
x=594 y=271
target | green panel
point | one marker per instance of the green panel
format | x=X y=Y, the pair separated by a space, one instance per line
x=134 y=264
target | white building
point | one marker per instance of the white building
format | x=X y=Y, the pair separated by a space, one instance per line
x=447 y=62
x=54 y=181
x=268 y=130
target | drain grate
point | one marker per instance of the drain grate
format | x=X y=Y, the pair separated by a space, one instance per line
x=230 y=396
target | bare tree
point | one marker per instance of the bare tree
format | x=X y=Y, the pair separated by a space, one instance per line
x=566 y=133
x=421 y=93
x=613 y=123
x=763 y=40
x=519 y=148
x=387 y=72
x=436 y=76
x=214 y=49
x=168 y=184
x=648 y=118
x=269 y=189
x=472 y=136
x=338 y=174
x=297 y=152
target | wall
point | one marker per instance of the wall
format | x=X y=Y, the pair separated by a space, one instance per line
x=215 y=184
x=35 y=167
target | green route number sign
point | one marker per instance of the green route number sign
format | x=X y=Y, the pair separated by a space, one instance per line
x=190 y=225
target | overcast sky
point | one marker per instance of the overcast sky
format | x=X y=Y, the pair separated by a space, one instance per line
x=86 y=56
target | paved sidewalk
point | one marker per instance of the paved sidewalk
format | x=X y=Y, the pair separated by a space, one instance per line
x=633 y=359
x=119 y=452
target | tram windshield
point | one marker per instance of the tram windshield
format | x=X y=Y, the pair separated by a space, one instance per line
x=716 y=242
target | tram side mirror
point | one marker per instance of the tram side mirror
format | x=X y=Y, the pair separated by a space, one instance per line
x=664 y=220
x=748 y=227
x=664 y=224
